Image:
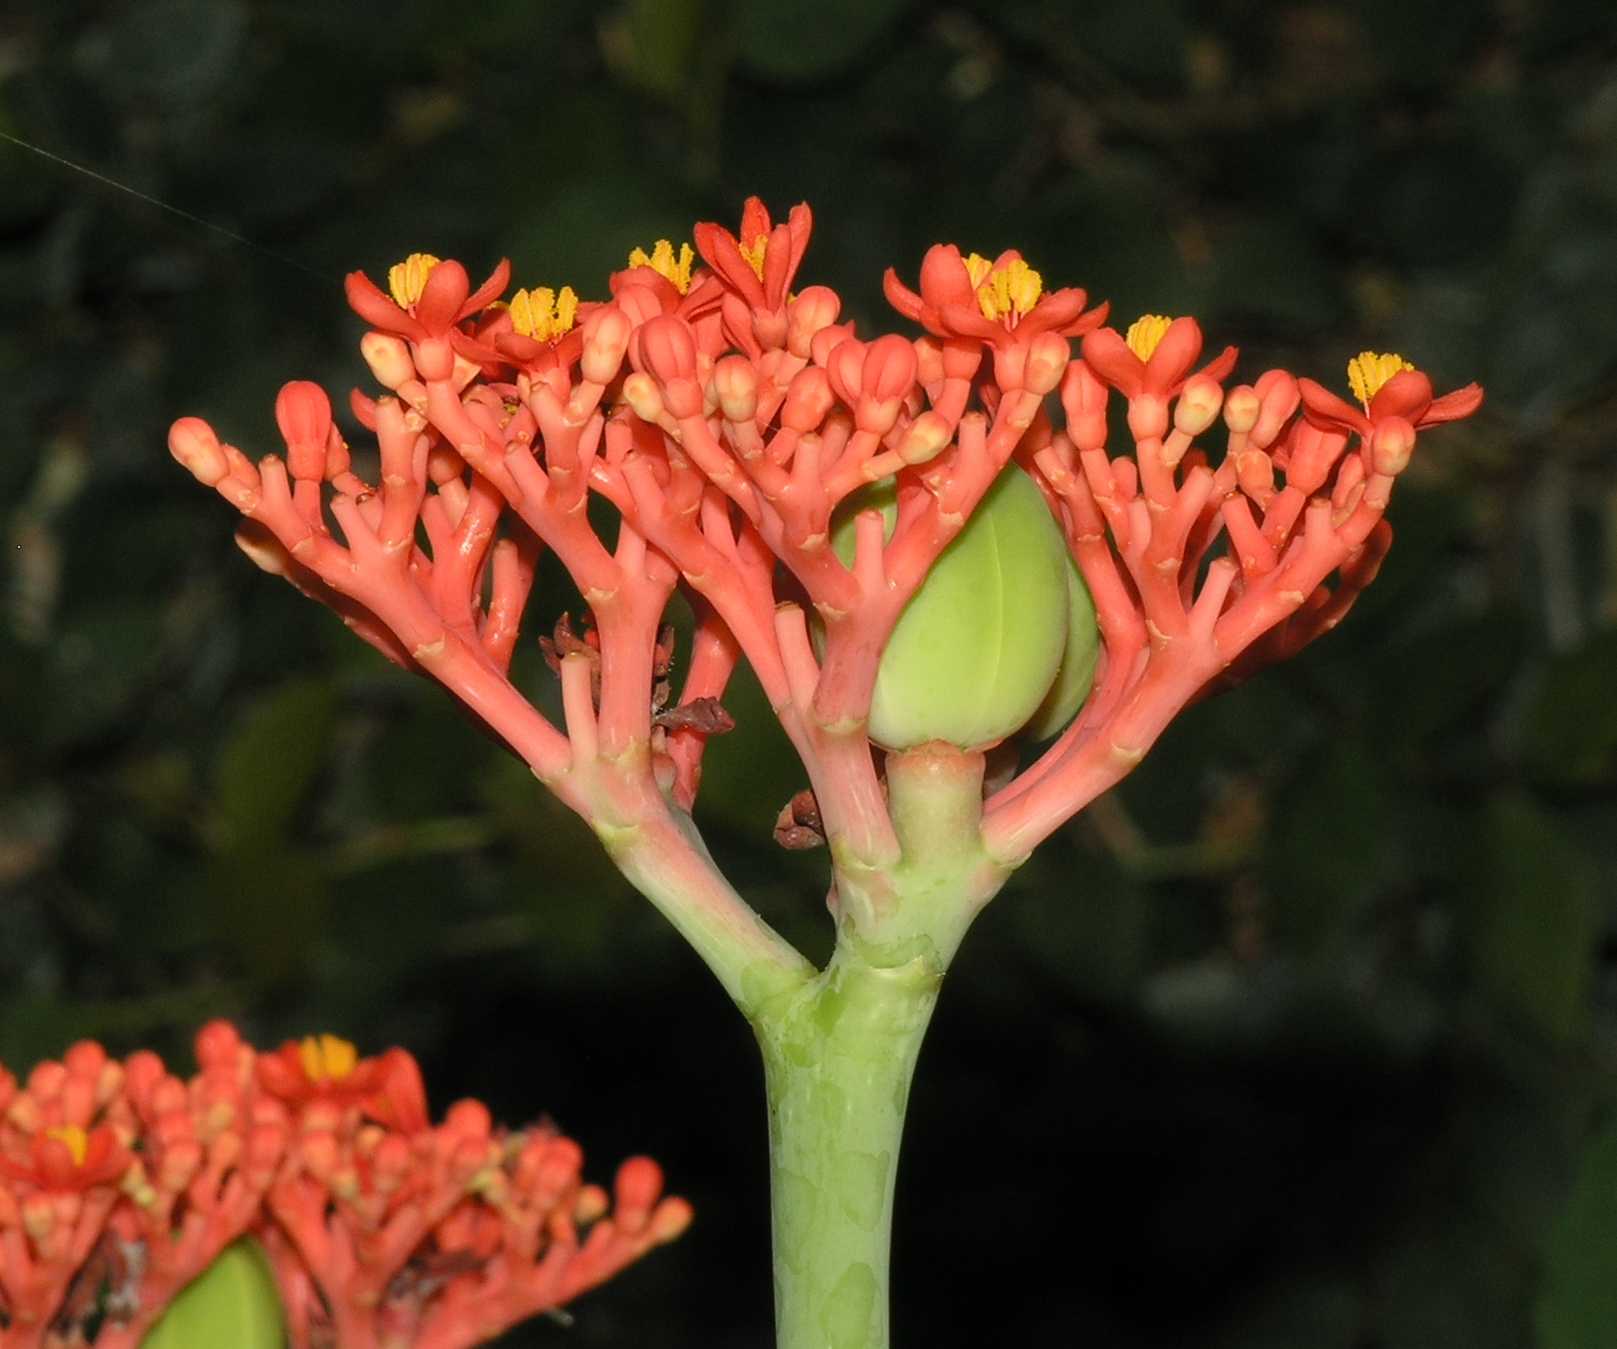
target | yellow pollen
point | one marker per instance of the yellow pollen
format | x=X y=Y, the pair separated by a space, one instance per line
x=1145 y=333
x=544 y=314
x=676 y=270
x=405 y=279
x=78 y=1142
x=977 y=268
x=1013 y=289
x=1369 y=370
x=754 y=254
x=327 y=1058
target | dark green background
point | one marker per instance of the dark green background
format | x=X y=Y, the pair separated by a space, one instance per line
x=1306 y=1036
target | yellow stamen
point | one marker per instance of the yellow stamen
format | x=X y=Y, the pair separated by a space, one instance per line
x=754 y=254
x=1369 y=370
x=327 y=1058
x=1012 y=289
x=676 y=270
x=977 y=268
x=78 y=1142
x=544 y=314
x=1145 y=333
x=405 y=279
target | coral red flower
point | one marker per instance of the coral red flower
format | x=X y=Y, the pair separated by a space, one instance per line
x=759 y=264
x=1388 y=386
x=1154 y=359
x=66 y=1158
x=999 y=302
x=429 y=297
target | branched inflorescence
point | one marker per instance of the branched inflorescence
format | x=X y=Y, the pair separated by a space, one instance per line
x=121 y=1183
x=727 y=418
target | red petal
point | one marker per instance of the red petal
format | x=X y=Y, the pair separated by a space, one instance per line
x=1407 y=394
x=1220 y=366
x=1054 y=311
x=1175 y=354
x=1451 y=407
x=377 y=310
x=1086 y=323
x=442 y=297
x=900 y=296
x=755 y=221
x=491 y=289
x=1109 y=356
x=1324 y=409
x=719 y=250
x=944 y=278
x=777 y=267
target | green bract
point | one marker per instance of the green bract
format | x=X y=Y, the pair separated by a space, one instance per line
x=233 y=1302
x=1000 y=634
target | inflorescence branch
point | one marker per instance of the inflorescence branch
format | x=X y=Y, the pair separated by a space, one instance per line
x=730 y=421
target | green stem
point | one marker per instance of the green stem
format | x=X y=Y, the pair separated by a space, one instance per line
x=838 y=1057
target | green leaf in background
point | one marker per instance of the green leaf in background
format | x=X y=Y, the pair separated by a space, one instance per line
x=1537 y=918
x=269 y=762
x=1572 y=729
x=233 y=1303
x=1577 y=1307
x=797 y=40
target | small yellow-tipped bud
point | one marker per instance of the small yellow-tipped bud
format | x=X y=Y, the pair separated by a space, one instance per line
x=1392 y=445
x=1241 y=409
x=606 y=337
x=735 y=386
x=1046 y=363
x=1146 y=332
x=1369 y=370
x=925 y=440
x=406 y=279
x=192 y=442
x=640 y=392
x=1197 y=405
x=388 y=358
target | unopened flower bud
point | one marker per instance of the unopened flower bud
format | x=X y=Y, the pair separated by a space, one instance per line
x=1279 y=395
x=1047 y=359
x=735 y=386
x=606 y=338
x=925 y=439
x=815 y=307
x=303 y=414
x=388 y=358
x=1241 y=409
x=1197 y=405
x=192 y=442
x=1391 y=445
x=808 y=399
x=640 y=392
x=1083 y=397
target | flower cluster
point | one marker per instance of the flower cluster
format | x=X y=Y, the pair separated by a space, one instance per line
x=729 y=418
x=120 y=1183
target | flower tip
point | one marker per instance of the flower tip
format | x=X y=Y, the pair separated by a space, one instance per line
x=671 y=1220
x=193 y=443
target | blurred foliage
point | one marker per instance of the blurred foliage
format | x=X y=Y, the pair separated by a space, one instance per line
x=1308 y=1034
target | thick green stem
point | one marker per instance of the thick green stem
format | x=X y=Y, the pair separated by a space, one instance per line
x=838 y=1057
